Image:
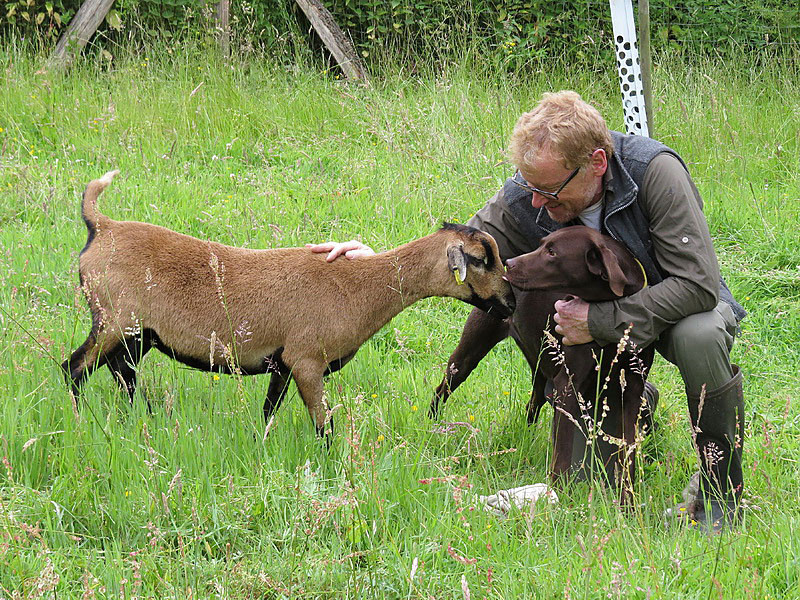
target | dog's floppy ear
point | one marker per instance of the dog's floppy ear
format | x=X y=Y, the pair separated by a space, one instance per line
x=603 y=262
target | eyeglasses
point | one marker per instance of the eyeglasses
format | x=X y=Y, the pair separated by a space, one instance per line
x=519 y=180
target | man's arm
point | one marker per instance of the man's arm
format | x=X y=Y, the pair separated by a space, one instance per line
x=494 y=218
x=683 y=249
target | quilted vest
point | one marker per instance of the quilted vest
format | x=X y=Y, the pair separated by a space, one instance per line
x=623 y=217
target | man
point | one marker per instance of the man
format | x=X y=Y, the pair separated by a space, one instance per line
x=571 y=169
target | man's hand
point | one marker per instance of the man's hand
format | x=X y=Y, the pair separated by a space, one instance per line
x=351 y=249
x=572 y=317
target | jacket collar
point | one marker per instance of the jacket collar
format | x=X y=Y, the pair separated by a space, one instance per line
x=621 y=189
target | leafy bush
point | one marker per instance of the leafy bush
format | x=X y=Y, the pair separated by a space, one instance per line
x=44 y=17
x=513 y=31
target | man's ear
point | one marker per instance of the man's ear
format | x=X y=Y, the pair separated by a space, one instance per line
x=598 y=162
x=602 y=262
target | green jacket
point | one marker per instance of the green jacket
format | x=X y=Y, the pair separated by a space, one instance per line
x=650 y=204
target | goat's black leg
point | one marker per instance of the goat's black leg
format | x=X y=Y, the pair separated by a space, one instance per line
x=93 y=353
x=278 y=386
x=481 y=333
x=123 y=364
x=337 y=364
x=538 y=396
x=281 y=378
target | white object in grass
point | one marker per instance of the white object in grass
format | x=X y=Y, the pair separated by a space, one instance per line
x=501 y=502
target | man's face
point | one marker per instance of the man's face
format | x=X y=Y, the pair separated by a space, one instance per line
x=548 y=173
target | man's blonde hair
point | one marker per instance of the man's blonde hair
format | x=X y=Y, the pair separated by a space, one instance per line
x=561 y=123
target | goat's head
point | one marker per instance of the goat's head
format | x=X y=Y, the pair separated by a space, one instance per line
x=476 y=271
x=580 y=261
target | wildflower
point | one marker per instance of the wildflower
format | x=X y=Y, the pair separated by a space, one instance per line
x=506 y=393
x=414 y=408
x=374 y=395
x=127 y=493
x=1 y=130
x=380 y=438
x=472 y=418
x=216 y=377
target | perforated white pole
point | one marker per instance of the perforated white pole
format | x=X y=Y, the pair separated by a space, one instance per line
x=630 y=73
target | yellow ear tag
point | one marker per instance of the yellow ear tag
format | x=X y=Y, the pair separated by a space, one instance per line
x=459 y=281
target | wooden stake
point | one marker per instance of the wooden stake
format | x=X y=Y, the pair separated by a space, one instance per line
x=79 y=31
x=646 y=62
x=334 y=38
x=223 y=26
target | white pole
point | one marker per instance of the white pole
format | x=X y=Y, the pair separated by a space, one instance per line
x=630 y=73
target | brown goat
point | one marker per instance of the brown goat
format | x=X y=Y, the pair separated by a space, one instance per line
x=285 y=311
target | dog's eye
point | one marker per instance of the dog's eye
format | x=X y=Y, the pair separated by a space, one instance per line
x=551 y=251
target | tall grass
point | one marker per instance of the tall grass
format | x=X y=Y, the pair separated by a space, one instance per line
x=191 y=501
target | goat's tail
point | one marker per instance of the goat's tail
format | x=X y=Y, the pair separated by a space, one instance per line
x=89 y=205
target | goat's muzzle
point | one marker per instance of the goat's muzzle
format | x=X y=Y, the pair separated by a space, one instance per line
x=496 y=306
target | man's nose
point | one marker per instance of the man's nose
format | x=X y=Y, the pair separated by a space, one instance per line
x=537 y=200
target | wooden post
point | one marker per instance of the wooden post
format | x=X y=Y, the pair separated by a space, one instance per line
x=223 y=17
x=80 y=29
x=334 y=39
x=646 y=62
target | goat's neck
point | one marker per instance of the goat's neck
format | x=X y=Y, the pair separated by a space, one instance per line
x=403 y=275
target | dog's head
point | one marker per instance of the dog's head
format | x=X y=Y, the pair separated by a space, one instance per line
x=579 y=261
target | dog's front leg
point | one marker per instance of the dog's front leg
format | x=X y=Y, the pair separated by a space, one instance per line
x=565 y=423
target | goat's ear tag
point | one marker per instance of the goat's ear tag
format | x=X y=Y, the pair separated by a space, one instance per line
x=457 y=275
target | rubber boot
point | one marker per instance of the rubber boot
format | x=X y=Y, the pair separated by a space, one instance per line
x=648 y=414
x=718 y=424
x=581 y=461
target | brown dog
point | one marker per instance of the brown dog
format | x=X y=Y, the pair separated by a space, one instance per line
x=585 y=263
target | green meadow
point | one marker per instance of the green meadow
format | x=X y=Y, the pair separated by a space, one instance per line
x=193 y=501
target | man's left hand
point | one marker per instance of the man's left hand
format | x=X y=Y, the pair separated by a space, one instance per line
x=351 y=249
x=572 y=318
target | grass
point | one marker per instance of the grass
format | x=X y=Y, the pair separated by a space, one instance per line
x=189 y=501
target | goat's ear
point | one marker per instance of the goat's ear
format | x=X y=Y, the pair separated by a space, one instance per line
x=601 y=261
x=457 y=262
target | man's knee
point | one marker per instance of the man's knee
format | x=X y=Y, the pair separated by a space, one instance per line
x=699 y=345
x=701 y=333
